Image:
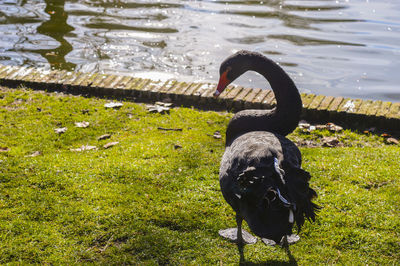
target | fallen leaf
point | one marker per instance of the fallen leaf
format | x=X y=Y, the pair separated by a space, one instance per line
x=385 y=135
x=114 y=105
x=321 y=127
x=82 y=124
x=110 y=144
x=303 y=124
x=164 y=104
x=34 y=154
x=4 y=149
x=105 y=136
x=217 y=135
x=306 y=143
x=60 y=130
x=157 y=109
x=84 y=148
x=306 y=127
x=333 y=127
x=330 y=142
x=392 y=141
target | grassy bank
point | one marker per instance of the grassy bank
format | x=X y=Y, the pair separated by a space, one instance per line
x=154 y=197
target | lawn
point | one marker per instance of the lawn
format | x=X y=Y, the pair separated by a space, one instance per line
x=154 y=198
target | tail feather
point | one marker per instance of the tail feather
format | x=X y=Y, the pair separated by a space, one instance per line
x=300 y=192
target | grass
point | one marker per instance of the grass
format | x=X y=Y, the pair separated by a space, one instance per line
x=154 y=197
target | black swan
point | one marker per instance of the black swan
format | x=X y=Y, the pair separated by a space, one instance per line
x=260 y=174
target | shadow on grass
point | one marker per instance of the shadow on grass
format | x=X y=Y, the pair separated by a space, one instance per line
x=292 y=260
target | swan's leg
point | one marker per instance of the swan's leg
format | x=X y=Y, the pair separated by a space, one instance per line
x=242 y=236
x=239 y=237
x=238 y=234
x=284 y=242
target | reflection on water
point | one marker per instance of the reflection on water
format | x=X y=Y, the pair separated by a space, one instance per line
x=331 y=47
x=56 y=27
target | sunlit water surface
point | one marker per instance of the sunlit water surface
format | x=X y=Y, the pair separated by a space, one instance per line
x=345 y=47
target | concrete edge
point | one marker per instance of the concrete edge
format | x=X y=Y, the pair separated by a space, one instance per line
x=353 y=113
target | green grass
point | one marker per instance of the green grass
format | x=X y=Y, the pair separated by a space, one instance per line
x=146 y=201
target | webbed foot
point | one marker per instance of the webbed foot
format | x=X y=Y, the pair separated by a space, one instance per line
x=268 y=242
x=231 y=234
x=289 y=240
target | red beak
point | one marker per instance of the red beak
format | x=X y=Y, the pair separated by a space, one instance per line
x=223 y=82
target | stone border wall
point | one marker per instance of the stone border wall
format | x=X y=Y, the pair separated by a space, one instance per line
x=353 y=113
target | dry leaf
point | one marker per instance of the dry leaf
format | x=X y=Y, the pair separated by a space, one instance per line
x=105 y=136
x=392 y=141
x=110 y=144
x=217 y=135
x=164 y=104
x=330 y=141
x=84 y=148
x=60 y=130
x=306 y=143
x=113 y=105
x=333 y=127
x=304 y=124
x=4 y=149
x=157 y=109
x=321 y=127
x=34 y=154
x=82 y=124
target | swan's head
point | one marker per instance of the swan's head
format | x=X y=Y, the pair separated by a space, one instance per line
x=233 y=67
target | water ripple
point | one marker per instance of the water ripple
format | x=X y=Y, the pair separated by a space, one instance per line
x=117 y=26
x=349 y=48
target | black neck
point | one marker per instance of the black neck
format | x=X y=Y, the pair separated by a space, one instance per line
x=284 y=118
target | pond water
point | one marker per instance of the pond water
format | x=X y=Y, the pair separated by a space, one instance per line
x=344 y=47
